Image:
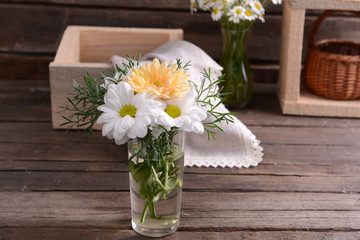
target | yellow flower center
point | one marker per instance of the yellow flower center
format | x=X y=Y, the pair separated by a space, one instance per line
x=257 y=5
x=238 y=11
x=173 y=111
x=248 y=13
x=128 y=110
x=216 y=10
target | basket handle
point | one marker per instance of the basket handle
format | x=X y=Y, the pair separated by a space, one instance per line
x=315 y=27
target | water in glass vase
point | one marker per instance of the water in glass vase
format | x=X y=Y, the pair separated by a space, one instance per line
x=154 y=213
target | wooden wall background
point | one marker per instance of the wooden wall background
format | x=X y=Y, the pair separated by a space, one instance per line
x=30 y=30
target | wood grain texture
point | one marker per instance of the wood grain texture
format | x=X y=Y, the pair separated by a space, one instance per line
x=75 y=186
x=36 y=27
x=29 y=132
x=24 y=66
x=118 y=181
x=70 y=233
x=326 y=4
x=198 y=28
x=263 y=110
x=237 y=211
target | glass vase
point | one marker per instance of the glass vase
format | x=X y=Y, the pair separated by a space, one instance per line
x=234 y=60
x=155 y=189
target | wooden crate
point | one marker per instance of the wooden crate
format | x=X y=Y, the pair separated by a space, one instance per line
x=89 y=49
x=295 y=99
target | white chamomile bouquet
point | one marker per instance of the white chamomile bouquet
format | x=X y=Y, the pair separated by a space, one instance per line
x=150 y=102
x=233 y=11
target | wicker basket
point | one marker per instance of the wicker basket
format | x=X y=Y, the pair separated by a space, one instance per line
x=332 y=67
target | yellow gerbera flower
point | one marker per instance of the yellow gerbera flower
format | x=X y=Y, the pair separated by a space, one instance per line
x=160 y=80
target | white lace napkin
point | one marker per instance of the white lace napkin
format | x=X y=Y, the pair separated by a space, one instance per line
x=236 y=146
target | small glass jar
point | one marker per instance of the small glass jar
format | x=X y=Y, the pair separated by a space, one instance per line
x=154 y=213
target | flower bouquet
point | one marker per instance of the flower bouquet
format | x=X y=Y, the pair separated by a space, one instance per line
x=236 y=18
x=150 y=106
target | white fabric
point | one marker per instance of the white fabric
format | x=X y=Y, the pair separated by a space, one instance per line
x=236 y=146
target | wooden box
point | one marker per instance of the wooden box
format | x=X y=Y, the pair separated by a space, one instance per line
x=89 y=49
x=295 y=99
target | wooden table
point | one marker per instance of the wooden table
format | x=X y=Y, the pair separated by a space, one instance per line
x=75 y=186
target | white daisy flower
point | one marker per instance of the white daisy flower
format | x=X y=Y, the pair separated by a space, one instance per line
x=250 y=15
x=211 y=4
x=227 y=2
x=126 y=115
x=257 y=8
x=217 y=13
x=276 y=1
x=193 y=6
x=261 y=17
x=236 y=14
x=183 y=113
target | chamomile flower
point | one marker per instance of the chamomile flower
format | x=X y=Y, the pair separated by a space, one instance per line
x=110 y=80
x=212 y=3
x=183 y=113
x=236 y=14
x=126 y=115
x=250 y=15
x=217 y=13
x=257 y=7
x=193 y=6
x=261 y=17
x=227 y=2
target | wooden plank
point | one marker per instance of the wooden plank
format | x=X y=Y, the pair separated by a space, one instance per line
x=263 y=109
x=271 y=183
x=29 y=132
x=279 y=160
x=25 y=86
x=24 y=66
x=309 y=104
x=63 y=152
x=264 y=168
x=99 y=44
x=142 y=4
x=352 y=5
x=308 y=135
x=70 y=233
x=118 y=181
x=25 y=106
x=40 y=43
x=237 y=211
x=145 y=4
x=43 y=133
x=319 y=155
x=51 y=22
x=291 y=52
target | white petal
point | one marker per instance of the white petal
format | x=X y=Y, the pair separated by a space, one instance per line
x=125 y=92
x=138 y=100
x=198 y=127
x=108 y=117
x=121 y=127
x=122 y=140
x=142 y=132
x=107 y=128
